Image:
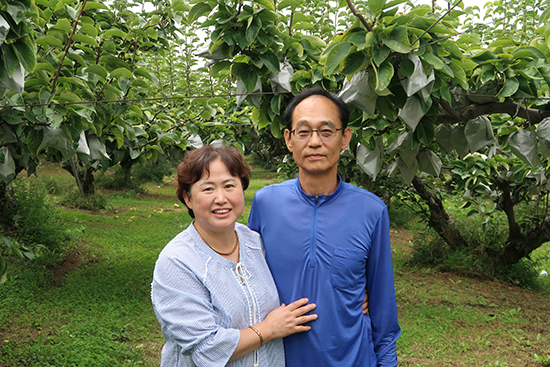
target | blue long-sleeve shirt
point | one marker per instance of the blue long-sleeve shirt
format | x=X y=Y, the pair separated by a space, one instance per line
x=329 y=248
x=202 y=300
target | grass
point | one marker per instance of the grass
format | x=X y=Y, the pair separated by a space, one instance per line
x=94 y=309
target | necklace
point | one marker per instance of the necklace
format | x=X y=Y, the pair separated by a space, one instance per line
x=216 y=251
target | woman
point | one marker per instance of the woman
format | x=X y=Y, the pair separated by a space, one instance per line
x=212 y=291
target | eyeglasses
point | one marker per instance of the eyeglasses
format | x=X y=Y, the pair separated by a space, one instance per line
x=325 y=133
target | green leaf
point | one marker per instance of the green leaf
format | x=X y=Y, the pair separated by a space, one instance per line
x=252 y=30
x=433 y=60
x=276 y=129
x=219 y=66
x=354 y=62
x=276 y=104
x=249 y=78
x=398 y=41
x=144 y=73
x=89 y=30
x=393 y=3
x=425 y=132
x=121 y=73
x=95 y=5
x=335 y=56
x=73 y=13
x=71 y=80
x=511 y=86
x=77 y=58
x=26 y=54
x=397 y=46
x=315 y=41
x=34 y=140
x=376 y=5
x=197 y=11
x=459 y=73
x=17 y=11
x=68 y=97
x=219 y=101
x=84 y=39
x=359 y=39
x=241 y=39
x=98 y=70
x=11 y=62
x=384 y=105
x=49 y=41
x=453 y=49
x=119 y=136
x=266 y=4
x=384 y=74
x=379 y=53
x=270 y=60
x=292 y=3
x=113 y=32
x=406 y=66
x=298 y=48
x=63 y=24
x=535 y=51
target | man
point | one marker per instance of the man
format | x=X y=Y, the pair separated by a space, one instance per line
x=328 y=240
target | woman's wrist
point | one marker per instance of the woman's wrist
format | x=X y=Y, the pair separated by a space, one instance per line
x=259 y=334
x=263 y=330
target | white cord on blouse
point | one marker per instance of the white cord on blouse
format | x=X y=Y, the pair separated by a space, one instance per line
x=243 y=276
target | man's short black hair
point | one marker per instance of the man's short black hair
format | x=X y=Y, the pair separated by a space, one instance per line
x=316 y=91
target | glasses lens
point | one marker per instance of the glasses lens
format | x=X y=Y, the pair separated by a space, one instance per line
x=327 y=133
x=302 y=133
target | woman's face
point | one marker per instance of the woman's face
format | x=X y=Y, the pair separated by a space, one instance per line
x=217 y=199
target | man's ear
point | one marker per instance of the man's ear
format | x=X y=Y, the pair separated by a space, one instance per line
x=287 y=140
x=346 y=138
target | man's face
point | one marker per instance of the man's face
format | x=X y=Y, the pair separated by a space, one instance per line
x=316 y=156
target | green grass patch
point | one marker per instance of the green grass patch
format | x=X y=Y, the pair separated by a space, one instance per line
x=94 y=309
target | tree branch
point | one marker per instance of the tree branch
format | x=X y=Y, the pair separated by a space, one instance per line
x=67 y=46
x=360 y=16
x=509 y=107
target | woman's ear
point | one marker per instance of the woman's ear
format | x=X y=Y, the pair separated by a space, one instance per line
x=187 y=199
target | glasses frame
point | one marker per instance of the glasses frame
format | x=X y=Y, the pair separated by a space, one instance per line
x=311 y=131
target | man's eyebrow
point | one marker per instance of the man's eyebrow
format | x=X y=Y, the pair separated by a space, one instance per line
x=322 y=123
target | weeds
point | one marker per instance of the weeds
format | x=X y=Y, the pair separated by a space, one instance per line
x=544 y=360
x=74 y=199
x=34 y=222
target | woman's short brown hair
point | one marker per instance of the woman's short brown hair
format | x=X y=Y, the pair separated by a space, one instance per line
x=197 y=161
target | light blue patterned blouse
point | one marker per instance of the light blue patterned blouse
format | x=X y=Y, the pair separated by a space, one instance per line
x=202 y=300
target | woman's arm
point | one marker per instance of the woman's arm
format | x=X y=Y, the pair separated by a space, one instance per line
x=281 y=322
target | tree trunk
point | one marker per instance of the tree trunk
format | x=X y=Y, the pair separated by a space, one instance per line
x=439 y=219
x=128 y=176
x=85 y=179
x=88 y=181
x=517 y=246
